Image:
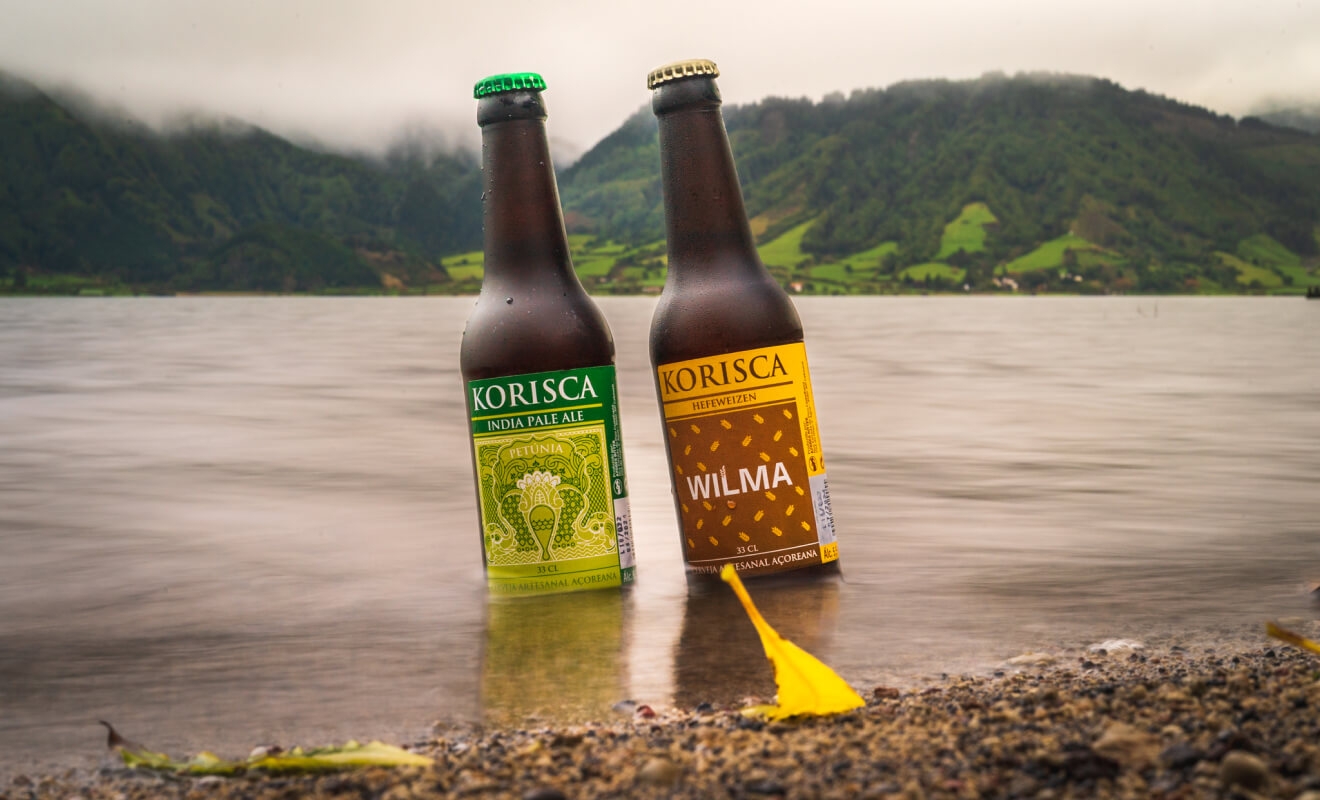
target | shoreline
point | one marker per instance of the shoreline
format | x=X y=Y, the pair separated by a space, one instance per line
x=1290 y=292
x=1217 y=721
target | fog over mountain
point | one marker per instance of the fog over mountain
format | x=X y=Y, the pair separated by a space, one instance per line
x=353 y=76
x=1302 y=116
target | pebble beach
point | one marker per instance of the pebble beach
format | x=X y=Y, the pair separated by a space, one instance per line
x=1127 y=722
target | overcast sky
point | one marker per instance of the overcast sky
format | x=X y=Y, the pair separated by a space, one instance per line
x=355 y=73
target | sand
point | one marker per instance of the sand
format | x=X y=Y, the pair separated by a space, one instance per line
x=1173 y=723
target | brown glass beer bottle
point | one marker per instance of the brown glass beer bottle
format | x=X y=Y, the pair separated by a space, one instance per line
x=538 y=368
x=731 y=369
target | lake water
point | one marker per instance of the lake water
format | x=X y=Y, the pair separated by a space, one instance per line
x=232 y=521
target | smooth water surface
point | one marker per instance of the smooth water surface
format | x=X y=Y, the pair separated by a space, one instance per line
x=231 y=521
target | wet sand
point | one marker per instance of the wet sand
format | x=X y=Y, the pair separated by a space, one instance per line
x=1164 y=722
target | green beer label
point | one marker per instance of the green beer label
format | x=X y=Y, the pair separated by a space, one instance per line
x=554 y=500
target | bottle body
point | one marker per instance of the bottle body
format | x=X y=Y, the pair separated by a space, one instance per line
x=740 y=427
x=537 y=360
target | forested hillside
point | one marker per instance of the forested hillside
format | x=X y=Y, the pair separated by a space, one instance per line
x=1041 y=183
x=1071 y=178
x=217 y=207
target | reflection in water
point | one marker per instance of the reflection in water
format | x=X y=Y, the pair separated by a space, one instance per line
x=719 y=658
x=558 y=656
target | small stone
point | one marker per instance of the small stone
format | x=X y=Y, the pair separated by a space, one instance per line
x=1127 y=745
x=658 y=772
x=1113 y=646
x=765 y=786
x=749 y=724
x=1240 y=768
x=544 y=793
x=1181 y=755
x=625 y=706
x=885 y=693
x=1086 y=764
x=1032 y=660
x=1173 y=697
x=1227 y=741
x=646 y=712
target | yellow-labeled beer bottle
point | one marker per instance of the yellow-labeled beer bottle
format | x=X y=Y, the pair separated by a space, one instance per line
x=538 y=368
x=731 y=369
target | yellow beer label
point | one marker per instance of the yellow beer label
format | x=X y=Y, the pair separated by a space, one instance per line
x=746 y=461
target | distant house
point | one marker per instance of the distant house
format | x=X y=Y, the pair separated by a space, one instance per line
x=796 y=286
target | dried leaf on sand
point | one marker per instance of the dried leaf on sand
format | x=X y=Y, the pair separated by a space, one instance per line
x=321 y=759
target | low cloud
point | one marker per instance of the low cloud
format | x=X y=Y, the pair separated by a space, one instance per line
x=352 y=76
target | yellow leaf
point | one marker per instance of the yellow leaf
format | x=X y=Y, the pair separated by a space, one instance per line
x=1297 y=640
x=373 y=754
x=806 y=686
x=323 y=759
x=146 y=758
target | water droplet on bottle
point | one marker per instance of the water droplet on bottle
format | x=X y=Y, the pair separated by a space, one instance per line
x=508 y=300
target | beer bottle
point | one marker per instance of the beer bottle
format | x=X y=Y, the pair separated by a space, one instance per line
x=538 y=368
x=731 y=369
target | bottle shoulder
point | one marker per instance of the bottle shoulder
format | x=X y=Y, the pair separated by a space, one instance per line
x=516 y=330
x=711 y=314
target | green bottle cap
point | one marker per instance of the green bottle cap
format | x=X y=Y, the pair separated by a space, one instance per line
x=509 y=82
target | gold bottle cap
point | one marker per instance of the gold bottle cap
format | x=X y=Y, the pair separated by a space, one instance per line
x=682 y=69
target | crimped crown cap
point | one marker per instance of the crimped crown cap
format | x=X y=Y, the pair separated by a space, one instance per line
x=678 y=70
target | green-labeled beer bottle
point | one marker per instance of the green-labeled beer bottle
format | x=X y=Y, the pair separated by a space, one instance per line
x=731 y=370
x=538 y=369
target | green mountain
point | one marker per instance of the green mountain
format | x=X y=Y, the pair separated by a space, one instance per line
x=1056 y=182
x=1041 y=183
x=220 y=207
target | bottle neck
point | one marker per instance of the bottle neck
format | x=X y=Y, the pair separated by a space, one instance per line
x=523 y=225
x=704 y=213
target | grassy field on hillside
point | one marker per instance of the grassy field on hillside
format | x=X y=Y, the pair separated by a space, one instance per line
x=870 y=259
x=835 y=271
x=1250 y=273
x=1267 y=251
x=1047 y=256
x=1259 y=263
x=967 y=231
x=933 y=269
x=786 y=250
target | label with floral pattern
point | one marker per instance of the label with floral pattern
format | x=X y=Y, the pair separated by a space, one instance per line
x=551 y=485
